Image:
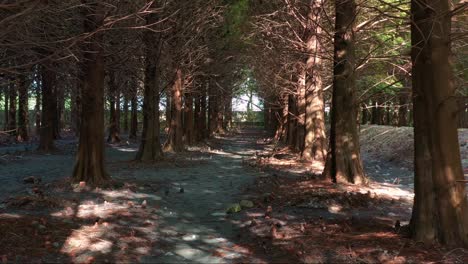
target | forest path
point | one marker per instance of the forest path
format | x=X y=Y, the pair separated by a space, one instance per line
x=193 y=225
x=174 y=225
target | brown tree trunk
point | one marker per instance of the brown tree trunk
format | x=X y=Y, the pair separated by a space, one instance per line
x=292 y=120
x=168 y=110
x=282 y=131
x=125 y=114
x=89 y=165
x=345 y=158
x=6 y=108
x=315 y=147
x=212 y=110
x=301 y=111
x=78 y=102
x=60 y=123
x=12 y=110
x=49 y=79
x=174 y=141
x=440 y=209
x=134 y=114
x=150 y=146
x=75 y=107
x=203 y=113
x=188 y=120
x=364 y=115
x=463 y=113
x=118 y=111
x=114 y=136
x=403 y=108
x=228 y=111
x=376 y=112
x=23 y=117
x=37 y=109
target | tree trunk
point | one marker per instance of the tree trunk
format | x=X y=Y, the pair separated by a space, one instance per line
x=198 y=136
x=188 y=120
x=174 y=141
x=12 y=110
x=46 y=140
x=346 y=165
x=60 y=124
x=440 y=209
x=168 y=110
x=113 y=136
x=282 y=131
x=364 y=115
x=125 y=114
x=463 y=113
x=301 y=112
x=292 y=120
x=203 y=114
x=89 y=165
x=6 y=108
x=37 y=107
x=134 y=115
x=150 y=146
x=403 y=108
x=315 y=147
x=78 y=102
x=213 y=110
x=23 y=117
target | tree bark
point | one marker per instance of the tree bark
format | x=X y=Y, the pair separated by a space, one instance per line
x=440 y=209
x=23 y=117
x=203 y=113
x=49 y=78
x=403 y=108
x=301 y=112
x=282 y=131
x=315 y=145
x=125 y=114
x=37 y=107
x=292 y=120
x=6 y=108
x=150 y=146
x=89 y=165
x=364 y=115
x=60 y=117
x=345 y=157
x=188 y=120
x=12 y=110
x=174 y=141
x=114 y=136
x=134 y=114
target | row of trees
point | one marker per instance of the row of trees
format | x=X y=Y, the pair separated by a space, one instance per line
x=83 y=55
x=351 y=56
x=305 y=57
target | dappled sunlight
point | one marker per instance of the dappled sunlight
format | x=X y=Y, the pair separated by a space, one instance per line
x=128 y=195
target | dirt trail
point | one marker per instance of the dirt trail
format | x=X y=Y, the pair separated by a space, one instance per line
x=185 y=198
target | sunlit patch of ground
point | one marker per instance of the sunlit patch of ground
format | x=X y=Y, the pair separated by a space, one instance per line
x=102 y=225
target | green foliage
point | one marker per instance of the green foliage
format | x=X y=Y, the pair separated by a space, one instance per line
x=235 y=21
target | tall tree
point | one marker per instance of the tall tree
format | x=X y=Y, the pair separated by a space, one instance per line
x=49 y=79
x=315 y=146
x=89 y=165
x=114 y=136
x=175 y=135
x=13 y=93
x=440 y=209
x=23 y=109
x=150 y=146
x=345 y=163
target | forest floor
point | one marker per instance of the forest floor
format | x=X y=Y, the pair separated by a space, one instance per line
x=175 y=211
